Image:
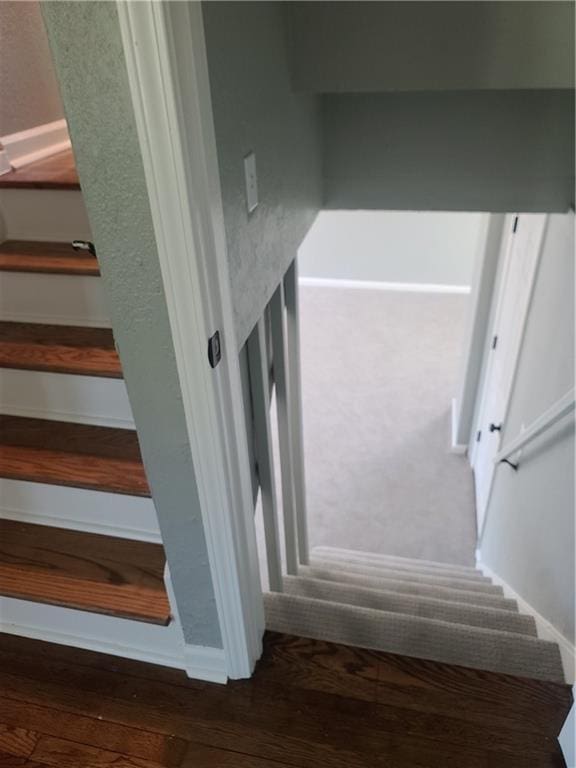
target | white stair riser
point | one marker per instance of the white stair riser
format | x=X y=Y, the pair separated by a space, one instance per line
x=43 y=214
x=64 y=397
x=53 y=299
x=111 y=514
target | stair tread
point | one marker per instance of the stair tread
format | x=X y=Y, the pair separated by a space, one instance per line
x=479 y=583
x=54 y=172
x=409 y=587
x=85 y=571
x=475 y=647
x=59 y=349
x=43 y=257
x=78 y=455
x=392 y=561
x=416 y=605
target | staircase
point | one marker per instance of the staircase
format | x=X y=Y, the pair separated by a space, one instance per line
x=81 y=559
x=427 y=610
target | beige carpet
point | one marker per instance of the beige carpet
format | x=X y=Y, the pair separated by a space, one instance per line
x=379 y=371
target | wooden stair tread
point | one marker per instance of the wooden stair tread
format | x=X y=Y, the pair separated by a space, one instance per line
x=48 y=258
x=59 y=349
x=87 y=571
x=55 y=172
x=78 y=455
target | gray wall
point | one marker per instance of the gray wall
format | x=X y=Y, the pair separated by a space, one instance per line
x=529 y=534
x=390 y=46
x=85 y=39
x=477 y=151
x=392 y=246
x=29 y=93
x=256 y=110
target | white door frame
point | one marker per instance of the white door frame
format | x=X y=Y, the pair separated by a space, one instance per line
x=505 y=255
x=168 y=75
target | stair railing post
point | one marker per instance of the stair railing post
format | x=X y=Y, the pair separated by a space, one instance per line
x=259 y=384
x=295 y=406
x=282 y=384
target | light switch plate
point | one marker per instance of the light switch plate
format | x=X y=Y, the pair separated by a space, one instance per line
x=251 y=181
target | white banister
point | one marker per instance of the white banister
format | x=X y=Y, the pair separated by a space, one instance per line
x=293 y=344
x=563 y=407
x=282 y=385
x=259 y=382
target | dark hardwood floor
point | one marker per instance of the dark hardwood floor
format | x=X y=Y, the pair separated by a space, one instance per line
x=309 y=705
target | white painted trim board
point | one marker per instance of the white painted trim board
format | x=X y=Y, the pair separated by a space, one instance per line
x=168 y=77
x=37 y=143
x=107 y=634
x=455 y=447
x=373 y=285
x=546 y=631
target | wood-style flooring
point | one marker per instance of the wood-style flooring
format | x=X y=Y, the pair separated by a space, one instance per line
x=46 y=258
x=55 y=172
x=77 y=455
x=309 y=705
x=87 y=571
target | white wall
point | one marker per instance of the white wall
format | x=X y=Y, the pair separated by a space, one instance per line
x=390 y=46
x=529 y=533
x=29 y=93
x=392 y=246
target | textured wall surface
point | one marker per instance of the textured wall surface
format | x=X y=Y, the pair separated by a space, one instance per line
x=392 y=246
x=256 y=110
x=497 y=151
x=529 y=533
x=29 y=94
x=85 y=38
x=390 y=46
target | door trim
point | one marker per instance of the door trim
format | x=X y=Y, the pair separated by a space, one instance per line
x=168 y=76
x=506 y=249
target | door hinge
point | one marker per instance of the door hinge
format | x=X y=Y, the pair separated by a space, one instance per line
x=494 y=342
x=214 y=349
x=478 y=435
x=515 y=225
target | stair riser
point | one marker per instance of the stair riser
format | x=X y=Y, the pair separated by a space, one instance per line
x=65 y=397
x=390 y=561
x=128 y=517
x=485 y=649
x=403 y=587
x=43 y=214
x=481 y=584
x=53 y=299
x=460 y=613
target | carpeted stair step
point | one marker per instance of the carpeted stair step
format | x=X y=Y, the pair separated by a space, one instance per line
x=478 y=648
x=411 y=588
x=481 y=584
x=425 y=607
x=393 y=561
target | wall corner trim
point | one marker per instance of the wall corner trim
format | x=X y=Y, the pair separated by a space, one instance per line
x=34 y=144
x=546 y=630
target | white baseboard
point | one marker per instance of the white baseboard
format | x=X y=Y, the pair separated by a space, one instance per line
x=106 y=634
x=546 y=631
x=65 y=397
x=44 y=214
x=326 y=282
x=36 y=143
x=108 y=514
x=455 y=447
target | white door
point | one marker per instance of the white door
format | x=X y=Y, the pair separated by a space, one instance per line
x=521 y=249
